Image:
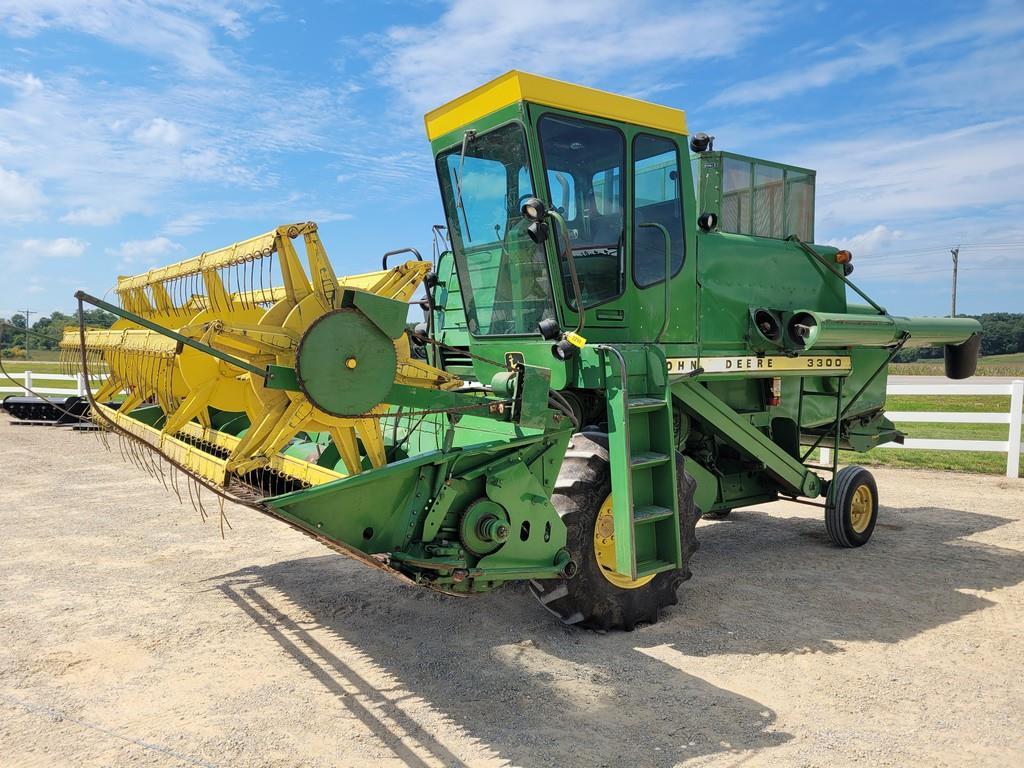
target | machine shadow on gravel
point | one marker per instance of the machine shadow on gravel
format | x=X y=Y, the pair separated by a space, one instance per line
x=528 y=689
x=780 y=586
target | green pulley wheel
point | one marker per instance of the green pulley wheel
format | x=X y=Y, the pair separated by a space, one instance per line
x=484 y=527
x=344 y=364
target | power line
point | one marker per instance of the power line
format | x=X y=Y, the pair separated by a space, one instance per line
x=955 y=253
x=992 y=245
x=909 y=271
x=927 y=249
x=28 y=347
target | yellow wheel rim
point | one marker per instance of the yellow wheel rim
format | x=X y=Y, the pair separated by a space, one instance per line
x=861 y=508
x=604 y=549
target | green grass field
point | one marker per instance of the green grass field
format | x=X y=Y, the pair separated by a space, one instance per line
x=958 y=461
x=39 y=369
x=993 y=365
x=38 y=356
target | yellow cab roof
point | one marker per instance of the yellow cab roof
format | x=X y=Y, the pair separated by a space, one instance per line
x=518 y=86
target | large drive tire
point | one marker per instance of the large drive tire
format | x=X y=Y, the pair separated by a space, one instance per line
x=590 y=599
x=852 y=507
x=716 y=514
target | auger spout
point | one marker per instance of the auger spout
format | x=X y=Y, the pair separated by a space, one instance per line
x=960 y=336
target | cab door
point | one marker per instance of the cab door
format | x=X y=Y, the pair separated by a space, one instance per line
x=584 y=167
x=620 y=190
x=662 y=206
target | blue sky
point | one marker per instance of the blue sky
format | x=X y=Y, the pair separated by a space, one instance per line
x=139 y=132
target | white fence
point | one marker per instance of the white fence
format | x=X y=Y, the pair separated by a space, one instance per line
x=32 y=377
x=1011 y=447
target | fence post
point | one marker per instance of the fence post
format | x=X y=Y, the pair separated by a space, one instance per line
x=1013 y=445
x=80 y=378
x=825 y=457
x=28 y=383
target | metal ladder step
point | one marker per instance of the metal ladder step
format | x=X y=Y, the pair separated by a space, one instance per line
x=649 y=567
x=647 y=459
x=650 y=514
x=642 y=404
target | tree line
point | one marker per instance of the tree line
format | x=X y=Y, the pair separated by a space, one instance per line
x=1002 y=333
x=46 y=332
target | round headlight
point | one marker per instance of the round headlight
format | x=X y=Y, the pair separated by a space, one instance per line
x=534 y=209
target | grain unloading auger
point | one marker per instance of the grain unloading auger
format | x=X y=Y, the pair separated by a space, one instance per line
x=620 y=337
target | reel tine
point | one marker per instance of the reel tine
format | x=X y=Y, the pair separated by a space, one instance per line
x=129 y=454
x=199 y=500
x=270 y=273
x=223 y=516
x=159 y=460
x=247 y=267
x=250 y=285
x=263 y=297
x=174 y=482
x=191 y=497
x=235 y=269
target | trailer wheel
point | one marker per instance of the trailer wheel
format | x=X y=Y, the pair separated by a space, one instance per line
x=852 y=507
x=597 y=598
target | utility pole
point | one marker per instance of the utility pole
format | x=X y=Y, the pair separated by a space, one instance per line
x=955 y=252
x=27 y=313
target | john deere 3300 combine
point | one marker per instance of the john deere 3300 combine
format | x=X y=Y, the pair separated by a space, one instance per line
x=625 y=329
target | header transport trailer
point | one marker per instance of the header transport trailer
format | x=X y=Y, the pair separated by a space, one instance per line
x=625 y=329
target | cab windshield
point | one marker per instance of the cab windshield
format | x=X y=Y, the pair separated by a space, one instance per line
x=502 y=272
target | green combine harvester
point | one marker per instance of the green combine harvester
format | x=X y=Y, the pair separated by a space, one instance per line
x=625 y=330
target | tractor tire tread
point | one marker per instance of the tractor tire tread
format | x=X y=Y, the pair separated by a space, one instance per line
x=588 y=599
x=835 y=508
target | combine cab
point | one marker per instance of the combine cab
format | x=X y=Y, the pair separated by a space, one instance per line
x=609 y=352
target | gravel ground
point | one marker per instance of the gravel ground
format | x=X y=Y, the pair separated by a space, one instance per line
x=132 y=634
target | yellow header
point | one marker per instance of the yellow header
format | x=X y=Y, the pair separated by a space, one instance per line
x=517 y=86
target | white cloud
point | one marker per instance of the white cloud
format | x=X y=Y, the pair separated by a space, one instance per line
x=399 y=174
x=867 y=58
x=21 y=198
x=25 y=82
x=158 y=131
x=104 y=151
x=186 y=224
x=155 y=247
x=984 y=27
x=59 y=248
x=91 y=216
x=870 y=242
x=324 y=216
x=183 y=31
x=584 y=40
x=907 y=175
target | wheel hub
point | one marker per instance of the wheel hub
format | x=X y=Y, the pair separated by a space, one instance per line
x=861 y=506
x=604 y=549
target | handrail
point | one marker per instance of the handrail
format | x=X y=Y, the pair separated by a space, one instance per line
x=413 y=251
x=624 y=374
x=668 y=274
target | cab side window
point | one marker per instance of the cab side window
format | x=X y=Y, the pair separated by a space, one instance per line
x=657 y=204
